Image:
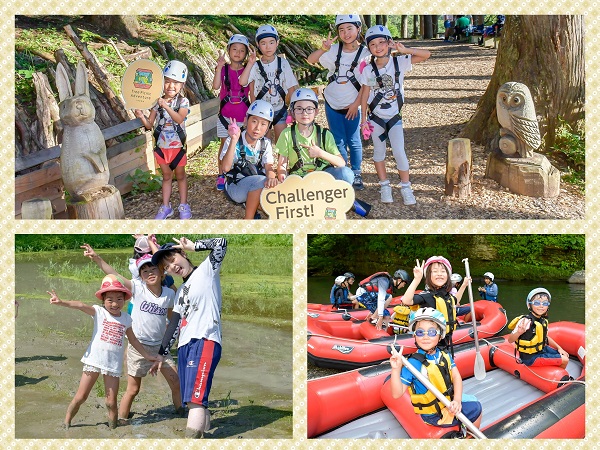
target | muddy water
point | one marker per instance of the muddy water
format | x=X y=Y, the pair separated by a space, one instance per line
x=251 y=396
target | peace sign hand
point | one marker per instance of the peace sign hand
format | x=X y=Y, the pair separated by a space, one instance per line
x=184 y=244
x=251 y=56
x=328 y=43
x=313 y=150
x=233 y=129
x=221 y=59
x=88 y=251
x=418 y=270
x=396 y=358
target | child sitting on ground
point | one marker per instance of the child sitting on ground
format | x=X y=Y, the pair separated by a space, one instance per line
x=247 y=157
x=530 y=333
x=104 y=354
x=429 y=327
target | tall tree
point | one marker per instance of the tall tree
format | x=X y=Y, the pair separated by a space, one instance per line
x=547 y=54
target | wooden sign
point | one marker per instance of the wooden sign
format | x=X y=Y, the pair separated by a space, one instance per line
x=316 y=196
x=142 y=84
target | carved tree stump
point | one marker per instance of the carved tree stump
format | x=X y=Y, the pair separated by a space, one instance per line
x=101 y=203
x=458 y=168
x=36 y=208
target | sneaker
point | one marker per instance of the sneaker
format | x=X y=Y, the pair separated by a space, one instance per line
x=185 y=212
x=407 y=195
x=386 y=194
x=358 y=182
x=164 y=212
x=221 y=182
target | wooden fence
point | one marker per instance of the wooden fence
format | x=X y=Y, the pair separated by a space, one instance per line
x=123 y=159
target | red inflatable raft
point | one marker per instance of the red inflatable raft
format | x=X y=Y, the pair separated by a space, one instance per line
x=353 y=343
x=518 y=401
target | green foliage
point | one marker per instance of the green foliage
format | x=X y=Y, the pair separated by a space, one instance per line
x=144 y=181
x=570 y=144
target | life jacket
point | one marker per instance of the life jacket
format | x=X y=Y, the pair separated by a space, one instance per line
x=401 y=313
x=279 y=114
x=178 y=128
x=334 y=293
x=319 y=163
x=386 y=125
x=336 y=73
x=536 y=336
x=228 y=97
x=369 y=283
x=244 y=168
x=445 y=305
x=440 y=375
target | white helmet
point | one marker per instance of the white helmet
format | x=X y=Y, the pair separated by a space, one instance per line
x=304 y=94
x=176 y=70
x=238 y=39
x=455 y=278
x=265 y=31
x=537 y=291
x=427 y=314
x=348 y=18
x=377 y=31
x=489 y=275
x=262 y=109
x=339 y=280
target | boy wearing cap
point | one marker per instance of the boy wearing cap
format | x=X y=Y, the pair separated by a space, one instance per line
x=153 y=304
x=104 y=354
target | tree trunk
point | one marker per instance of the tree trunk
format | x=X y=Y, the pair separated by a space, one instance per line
x=547 y=54
x=127 y=25
x=46 y=109
x=367 y=20
x=427 y=27
x=415 y=27
x=404 y=27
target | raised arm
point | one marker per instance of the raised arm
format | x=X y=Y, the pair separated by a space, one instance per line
x=407 y=298
x=54 y=300
x=104 y=266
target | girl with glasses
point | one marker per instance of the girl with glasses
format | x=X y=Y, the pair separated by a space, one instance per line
x=429 y=327
x=530 y=333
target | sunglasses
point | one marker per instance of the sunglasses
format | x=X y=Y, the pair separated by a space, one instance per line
x=539 y=303
x=432 y=332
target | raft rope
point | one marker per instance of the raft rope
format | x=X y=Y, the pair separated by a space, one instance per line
x=528 y=368
x=356 y=341
x=480 y=331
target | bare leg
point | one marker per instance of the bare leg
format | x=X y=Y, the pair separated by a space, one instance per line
x=167 y=174
x=111 y=386
x=404 y=176
x=198 y=421
x=182 y=183
x=85 y=387
x=219 y=169
x=172 y=378
x=133 y=389
x=252 y=202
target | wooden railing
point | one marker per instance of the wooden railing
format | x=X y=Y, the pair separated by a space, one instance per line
x=123 y=159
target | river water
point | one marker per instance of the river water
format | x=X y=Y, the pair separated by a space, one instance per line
x=251 y=392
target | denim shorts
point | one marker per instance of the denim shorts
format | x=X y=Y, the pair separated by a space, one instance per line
x=547 y=357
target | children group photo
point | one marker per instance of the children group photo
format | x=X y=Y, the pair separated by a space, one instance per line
x=372 y=100
x=135 y=336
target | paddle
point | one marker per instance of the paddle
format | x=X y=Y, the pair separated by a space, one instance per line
x=479 y=363
x=425 y=381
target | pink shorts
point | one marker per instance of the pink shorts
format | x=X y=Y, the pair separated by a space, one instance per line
x=170 y=154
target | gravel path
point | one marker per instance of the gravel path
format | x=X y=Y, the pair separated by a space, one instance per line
x=441 y=95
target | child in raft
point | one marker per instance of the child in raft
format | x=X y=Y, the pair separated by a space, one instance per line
x=437 y=271
x=342 y=102
x=234 y=97
x=152 y=306
x=382 y=98
x=170 y=113
x=270 y=78
x=247 y=157
x=104 y=354
x=429 y=328
x=377 y=295
x=530 y=333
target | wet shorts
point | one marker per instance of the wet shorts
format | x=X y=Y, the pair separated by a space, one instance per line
x=197 y=362
x=470 y=408
x=547 y=357
x=138 y=366
x=170 y=154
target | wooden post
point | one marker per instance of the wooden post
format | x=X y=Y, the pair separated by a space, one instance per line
x=102 y=203
x=458 y=168
x=36 y=208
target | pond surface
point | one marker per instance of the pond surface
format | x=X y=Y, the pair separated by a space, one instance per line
x=251 y=396
x=568 y=300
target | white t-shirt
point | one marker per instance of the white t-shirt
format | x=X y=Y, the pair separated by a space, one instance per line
x=252 y=153
x=286 y=80
x=107 y=346
x=199 y=304
x=149 y=312
x=341 y=92
x=388 y=106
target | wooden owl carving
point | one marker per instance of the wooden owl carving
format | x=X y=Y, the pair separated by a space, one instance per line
x=519 y=132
